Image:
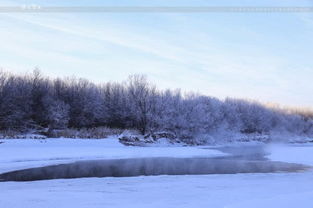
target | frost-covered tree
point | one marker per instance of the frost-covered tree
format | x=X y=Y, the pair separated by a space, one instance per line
x=141 y=102
x=84 y=100
x=15 y=102
x=35 y=101
x=115 y=112
x=57 y=114
x=40 y=92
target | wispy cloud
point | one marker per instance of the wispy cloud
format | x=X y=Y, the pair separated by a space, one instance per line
x=220 y=55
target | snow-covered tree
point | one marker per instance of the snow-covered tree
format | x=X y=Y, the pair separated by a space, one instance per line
x=33 y=101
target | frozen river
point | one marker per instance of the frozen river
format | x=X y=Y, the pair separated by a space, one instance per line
x=281 y=188
x=248 y=159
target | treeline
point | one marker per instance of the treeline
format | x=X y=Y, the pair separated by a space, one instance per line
x=33 y=101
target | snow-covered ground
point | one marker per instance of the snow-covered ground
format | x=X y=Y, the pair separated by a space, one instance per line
x=217 y=191
x=294 y=153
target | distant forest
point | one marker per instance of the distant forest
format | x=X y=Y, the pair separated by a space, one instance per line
x=33 y=101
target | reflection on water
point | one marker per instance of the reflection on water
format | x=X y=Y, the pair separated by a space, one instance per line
x=151 y=166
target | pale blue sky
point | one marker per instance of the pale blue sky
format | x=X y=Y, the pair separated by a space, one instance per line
x=263 y=56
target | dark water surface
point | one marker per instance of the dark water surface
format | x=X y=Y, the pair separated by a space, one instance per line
x=242 y=160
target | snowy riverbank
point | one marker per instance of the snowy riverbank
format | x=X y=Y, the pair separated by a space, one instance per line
x=257 y=190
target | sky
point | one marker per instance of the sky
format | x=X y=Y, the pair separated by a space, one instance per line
x=261 y=56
